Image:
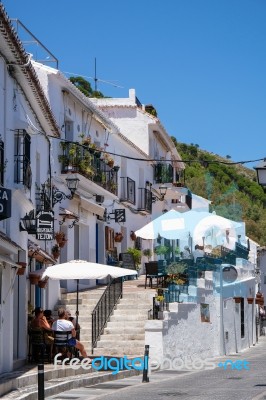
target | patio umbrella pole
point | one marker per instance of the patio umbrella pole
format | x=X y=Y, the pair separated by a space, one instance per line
x=77 y=311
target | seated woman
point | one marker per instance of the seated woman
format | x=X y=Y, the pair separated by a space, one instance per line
x=40 y=321
x=48 y=316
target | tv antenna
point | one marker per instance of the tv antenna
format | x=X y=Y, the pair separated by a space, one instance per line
x=96 y=80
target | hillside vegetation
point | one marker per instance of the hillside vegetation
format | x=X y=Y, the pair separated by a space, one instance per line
x=232 y=189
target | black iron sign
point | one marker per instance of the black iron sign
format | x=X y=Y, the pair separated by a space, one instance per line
x=5 y=203
x=45 y=225
x=120 y=215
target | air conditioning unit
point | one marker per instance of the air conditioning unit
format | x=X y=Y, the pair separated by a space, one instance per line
x=99 y=199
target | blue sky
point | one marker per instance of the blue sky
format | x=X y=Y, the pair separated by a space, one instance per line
x=201 y=63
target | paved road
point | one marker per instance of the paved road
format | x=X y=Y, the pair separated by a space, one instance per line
x=217 y=384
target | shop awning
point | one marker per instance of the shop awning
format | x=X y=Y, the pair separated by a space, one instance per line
x=35 y=251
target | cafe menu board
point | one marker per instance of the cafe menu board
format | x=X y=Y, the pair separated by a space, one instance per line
x=128 y=260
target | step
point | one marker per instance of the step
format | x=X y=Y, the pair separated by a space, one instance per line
x=129 y=305
x=122 y=337
x=120 y=343
x=129 y=317
x=139 y=312
x=125 y=324
x=120 y=351
x=117 y=330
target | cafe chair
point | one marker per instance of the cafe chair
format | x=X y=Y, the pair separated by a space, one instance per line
x=153 y=271
x=39 y=349
x=61 y=344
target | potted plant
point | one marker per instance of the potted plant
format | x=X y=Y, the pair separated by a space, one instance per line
x=21 y=271
x=161 y=250
x=56 y=251
x=34 y=278
x=147 y=253
x=175 y=273
x=118 y=237
x=136 y=254
x=43 y=284
x=60 y=238
x=237 y=300
x=250 y=300
x=133 y=236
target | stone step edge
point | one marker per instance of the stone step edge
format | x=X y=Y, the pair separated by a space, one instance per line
x=71 y=384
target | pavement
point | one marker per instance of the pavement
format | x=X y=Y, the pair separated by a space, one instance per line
x=216 y=384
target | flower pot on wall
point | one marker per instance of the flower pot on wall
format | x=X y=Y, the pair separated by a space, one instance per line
x=133 y=236
x=237 y=300
x=118 y=237
x=34 y=278
x=42 y=284
x=21 y=271
x=250 y=300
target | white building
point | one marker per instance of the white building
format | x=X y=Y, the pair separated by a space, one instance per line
x=25 y=123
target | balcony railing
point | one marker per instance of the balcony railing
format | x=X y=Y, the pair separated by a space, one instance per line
x=128 y=190
x=163 y=173
x=104 y=308
x=145 y=200
x=88 y=162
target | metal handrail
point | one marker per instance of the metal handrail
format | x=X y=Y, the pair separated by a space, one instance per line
x=104 y=308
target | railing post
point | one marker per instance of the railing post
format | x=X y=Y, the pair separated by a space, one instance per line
x=40 y=382
x=145 y=378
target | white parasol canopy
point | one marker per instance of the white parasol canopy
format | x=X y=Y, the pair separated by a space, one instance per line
x=81 y=269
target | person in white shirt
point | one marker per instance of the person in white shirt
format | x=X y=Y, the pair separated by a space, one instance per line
x=198 y=252
x=62 y=324
x=229 y=241
x=186 y=254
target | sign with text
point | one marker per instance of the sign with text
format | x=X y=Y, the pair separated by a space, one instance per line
x=45 y=225
x=128 y=260
x=5 y=203
x=120 y=215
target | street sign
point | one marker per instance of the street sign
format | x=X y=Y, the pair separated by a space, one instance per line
x=45 y=225
x=5 y=203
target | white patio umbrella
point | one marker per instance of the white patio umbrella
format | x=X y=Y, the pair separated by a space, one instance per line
x=81 y=269
x=172 y=225
x=211 y=230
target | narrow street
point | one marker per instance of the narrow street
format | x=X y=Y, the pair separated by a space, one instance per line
x=217 y=384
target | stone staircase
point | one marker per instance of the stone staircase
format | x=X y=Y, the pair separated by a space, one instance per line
x=125 y=332
x=87 y=301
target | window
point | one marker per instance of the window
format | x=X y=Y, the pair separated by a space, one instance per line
x=22 y=172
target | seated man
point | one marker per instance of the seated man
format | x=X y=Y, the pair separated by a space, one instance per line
x=198 y=252
x=62 y=324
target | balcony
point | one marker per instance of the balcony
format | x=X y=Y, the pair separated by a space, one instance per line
x=128 y=190
x=145 y=200
x=89 y=163
x=163 y=173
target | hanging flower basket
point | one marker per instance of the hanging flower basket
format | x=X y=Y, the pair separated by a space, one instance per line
x=42 y=284
x=21 y=271
x=118 y=237
x=259 y=301
x=34 y=278
x=56 y=251
x=133 y=236
x=237 y=299
x=250 y=300
x=60 y=238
